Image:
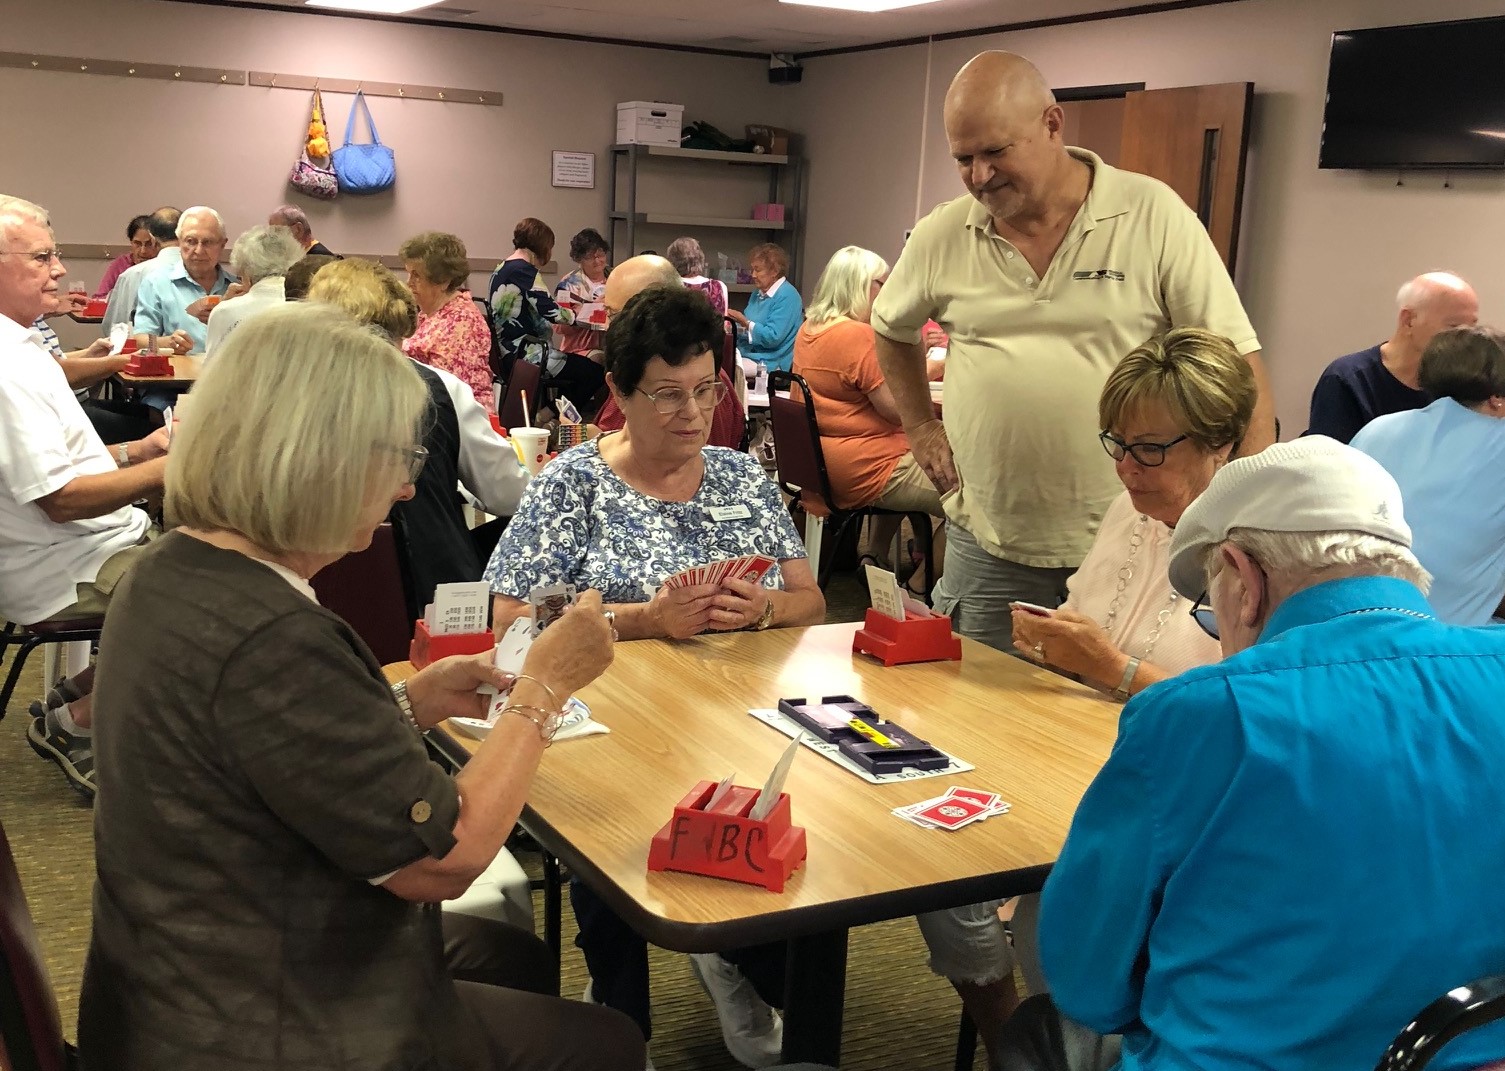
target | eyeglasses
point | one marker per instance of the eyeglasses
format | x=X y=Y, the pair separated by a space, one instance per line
x=413 y=458
x=41 y=257
x=1149 y=455
x=1202 y=614
x=670 y=400
x=201 y=243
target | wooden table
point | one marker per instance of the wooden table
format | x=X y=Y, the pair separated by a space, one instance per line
x=678 y=714
x=82 y=318
x=185 y=372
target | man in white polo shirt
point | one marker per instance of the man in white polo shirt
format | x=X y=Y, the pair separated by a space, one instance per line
x=67 y=527
x=1053 y=269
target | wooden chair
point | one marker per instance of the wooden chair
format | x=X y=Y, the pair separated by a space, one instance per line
x=1458 y=1011
x=802 y=473
x=31 y=1031
x=369 y=590
x=27 y=638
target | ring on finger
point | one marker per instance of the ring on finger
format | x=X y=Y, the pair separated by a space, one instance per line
x=1040 y=651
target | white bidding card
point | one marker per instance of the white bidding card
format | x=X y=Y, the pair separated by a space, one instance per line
x=884 y=589
x=460 y=608
x=775 y=783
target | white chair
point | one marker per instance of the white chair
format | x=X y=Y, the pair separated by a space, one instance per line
x=501 y=893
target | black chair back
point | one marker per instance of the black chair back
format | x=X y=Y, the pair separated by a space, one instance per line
x=1469 y=1006
x=521 y=376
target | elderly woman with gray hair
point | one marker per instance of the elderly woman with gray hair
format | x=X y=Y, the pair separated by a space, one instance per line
x=689 y=260
x=260 y=258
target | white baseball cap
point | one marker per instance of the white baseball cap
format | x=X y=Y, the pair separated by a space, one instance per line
x=1314 y=484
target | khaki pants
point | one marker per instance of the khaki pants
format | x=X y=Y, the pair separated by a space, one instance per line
x=910 y=490
x=93 y=596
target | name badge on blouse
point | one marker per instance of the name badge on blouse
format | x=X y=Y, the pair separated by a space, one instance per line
x=730 y=513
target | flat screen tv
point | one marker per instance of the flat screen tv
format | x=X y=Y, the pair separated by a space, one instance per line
x=1431 y=95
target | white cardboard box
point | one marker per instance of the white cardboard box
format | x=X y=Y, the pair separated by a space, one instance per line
x=647 y=122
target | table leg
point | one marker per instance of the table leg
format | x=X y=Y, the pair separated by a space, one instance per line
x=814 y=996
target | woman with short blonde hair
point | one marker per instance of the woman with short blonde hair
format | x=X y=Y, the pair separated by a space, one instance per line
x=274 y=825
x=867 y=453
x=452 y=333
x=369 y=292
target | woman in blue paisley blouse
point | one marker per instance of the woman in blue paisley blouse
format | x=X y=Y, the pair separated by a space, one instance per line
x=621 y=514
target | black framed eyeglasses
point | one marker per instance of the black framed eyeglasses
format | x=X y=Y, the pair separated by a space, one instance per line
x=1201 y=612
x=670 y=400
x=1150 y=455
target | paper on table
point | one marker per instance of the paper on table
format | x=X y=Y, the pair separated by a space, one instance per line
x=775 y=783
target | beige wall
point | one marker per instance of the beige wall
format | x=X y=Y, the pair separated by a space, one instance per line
x=1322 y=251
x=463 y=168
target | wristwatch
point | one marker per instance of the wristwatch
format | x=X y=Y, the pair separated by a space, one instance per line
x=1121 y=693
x=404 y=704
x=765 y=618
x=123 y=453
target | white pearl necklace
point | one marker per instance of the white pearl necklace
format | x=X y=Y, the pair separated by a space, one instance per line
x=1125 y=574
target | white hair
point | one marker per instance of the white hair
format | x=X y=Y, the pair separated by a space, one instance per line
x=14 y=210
x=199 y=210
x=263 y=252
x=1422 y=289
x=1300 y=558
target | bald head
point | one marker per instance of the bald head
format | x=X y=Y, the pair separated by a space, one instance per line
x=1431 y=303
x=636 y=274
x=990 y=82
x=1005 y=132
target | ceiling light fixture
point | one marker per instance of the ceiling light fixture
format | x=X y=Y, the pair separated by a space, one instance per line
x=860 y=5
x=374 y=7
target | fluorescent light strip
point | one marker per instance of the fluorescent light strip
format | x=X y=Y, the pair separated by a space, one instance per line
x=374 y=7
x=860 y=5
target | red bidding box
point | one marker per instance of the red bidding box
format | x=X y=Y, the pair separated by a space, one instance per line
x=425 y=648
x=725 y=843
x=149 y=364
x=918 y=638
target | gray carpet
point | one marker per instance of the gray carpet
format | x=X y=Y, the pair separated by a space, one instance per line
x=898 y=1015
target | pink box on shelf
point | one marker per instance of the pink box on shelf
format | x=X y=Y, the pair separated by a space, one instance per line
x=773 y=213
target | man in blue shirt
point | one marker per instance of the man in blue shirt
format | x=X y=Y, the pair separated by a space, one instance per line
x=1353 y=390
x=1449 y=460
x=172 y=297
x=1289 y=853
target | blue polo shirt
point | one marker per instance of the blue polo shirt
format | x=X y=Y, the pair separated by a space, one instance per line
x=163 y=300
x=1292 y=852
x=1450 y=464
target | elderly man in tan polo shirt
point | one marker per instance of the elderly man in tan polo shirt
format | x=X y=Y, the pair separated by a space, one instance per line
x=1053 y=269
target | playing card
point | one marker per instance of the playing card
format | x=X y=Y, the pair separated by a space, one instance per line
x=985 y=799
x=775 y=783
x=952 y=813
x=568 y=414
x=549 y=603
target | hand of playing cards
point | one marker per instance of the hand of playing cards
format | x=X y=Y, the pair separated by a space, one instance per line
x=751 y=567
x=958 y=807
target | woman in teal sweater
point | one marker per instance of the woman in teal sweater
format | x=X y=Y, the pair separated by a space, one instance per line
x=765 y=333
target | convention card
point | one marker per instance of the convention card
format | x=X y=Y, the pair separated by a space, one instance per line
x=884 y=589
x=460 y=608
x=549 y=603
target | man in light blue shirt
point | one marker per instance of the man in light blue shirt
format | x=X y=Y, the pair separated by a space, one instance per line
x=1449 y=460
x=1289 y=853
x=172 y=297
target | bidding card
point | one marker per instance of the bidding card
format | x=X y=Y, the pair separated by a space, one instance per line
x=884 y=589
x=460 y=608
x=775 y=783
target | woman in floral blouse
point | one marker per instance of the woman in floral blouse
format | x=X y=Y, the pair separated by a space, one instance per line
x=523 y=315
x=452 y=333
x=584 y=285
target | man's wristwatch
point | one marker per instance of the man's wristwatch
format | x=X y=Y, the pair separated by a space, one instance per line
x=404 y=704
x=765 y=618
x=123 y=453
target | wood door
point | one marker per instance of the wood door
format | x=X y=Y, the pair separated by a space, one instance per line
x=1195 y=139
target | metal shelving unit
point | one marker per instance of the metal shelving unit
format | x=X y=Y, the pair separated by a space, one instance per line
x=785 y=187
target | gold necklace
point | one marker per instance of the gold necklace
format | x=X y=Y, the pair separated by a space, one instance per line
x=1125 y=574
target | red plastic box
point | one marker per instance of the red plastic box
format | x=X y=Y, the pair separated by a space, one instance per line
x=425 y=648
x=727 y=844
x=920 y=637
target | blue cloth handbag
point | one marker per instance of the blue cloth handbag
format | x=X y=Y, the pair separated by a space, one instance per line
x=364 y=168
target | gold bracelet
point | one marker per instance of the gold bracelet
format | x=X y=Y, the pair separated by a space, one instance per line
x=547 y=721
x=529 y=677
